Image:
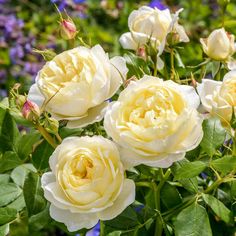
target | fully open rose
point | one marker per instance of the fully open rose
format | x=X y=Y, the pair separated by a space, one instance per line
x=155 y=122
x=75 y=85
x=87 y=182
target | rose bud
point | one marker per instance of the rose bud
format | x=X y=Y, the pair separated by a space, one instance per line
x=68 y=29
x=30 y=111
x=219 y=45
x=141 y=52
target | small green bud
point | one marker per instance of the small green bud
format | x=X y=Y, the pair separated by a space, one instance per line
x=51 y=125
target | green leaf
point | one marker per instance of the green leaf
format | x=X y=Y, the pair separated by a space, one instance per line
x=128 y=216
x=18 y=204
x=19 y=174
x=233 y=189
x=225 y=164
x=40 y=220
x=179 y=60
x=9 y=161
x=25 y=144
x=170 y=196
x=190 y=184
x=193 y=221
x=218 y=208
x=214 y=135
x=4 y=230
x=4 y=103
x=7 y=215
x=8 y=132
x=8 y=193
x=137 y=66
x=115 y=233
x=65 y=132
x=215 y=66
x=33 y=194
x=41 y=155
x=189 y=170
x=4 y=178
x=2 y=115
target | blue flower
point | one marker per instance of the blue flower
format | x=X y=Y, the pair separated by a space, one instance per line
x=158 y=4
x=16 y=52
x=95 y=231
x=79 y=1
x=61 y=4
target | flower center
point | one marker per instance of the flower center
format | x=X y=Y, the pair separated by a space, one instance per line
x=152 y=107
x=81 y=167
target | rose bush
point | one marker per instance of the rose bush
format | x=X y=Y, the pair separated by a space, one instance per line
x=76 y=84
x=87 y=182
x=155 y=122
x=167 y=163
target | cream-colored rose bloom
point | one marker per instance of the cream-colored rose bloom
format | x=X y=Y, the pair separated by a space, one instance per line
x=154 y=122
x=219 y=98
x=87 y=182
x=151 y=25
x=219 y=45
x=75 y=85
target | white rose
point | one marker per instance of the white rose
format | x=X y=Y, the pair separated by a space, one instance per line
x=219 y=45
x=87 y=182
x=151 y=25
x=219 y=98
x=76 y=84
x=154 y=122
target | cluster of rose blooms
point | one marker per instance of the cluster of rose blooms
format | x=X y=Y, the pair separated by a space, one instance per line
x=153 y=122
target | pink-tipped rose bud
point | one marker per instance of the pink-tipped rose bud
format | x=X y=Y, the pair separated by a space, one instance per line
x=141 y=52
x=68 y=29
x=30 y=111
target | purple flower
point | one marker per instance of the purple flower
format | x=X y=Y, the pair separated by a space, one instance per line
x=12 y=23
x=157 y=4
x=95 y=231
x=3 y=93
x=16 y=52
x=61 y=4
x=204 y=175
x=32 y=68
x=79 y=1
x=3 y=76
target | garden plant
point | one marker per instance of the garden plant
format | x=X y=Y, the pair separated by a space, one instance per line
x=118 y=118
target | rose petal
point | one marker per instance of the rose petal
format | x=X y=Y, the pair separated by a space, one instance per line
x=73 y=221
x=127 y=42
x=126 y=197
x=35 y=95
x=205 y=89
x=95 y=114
